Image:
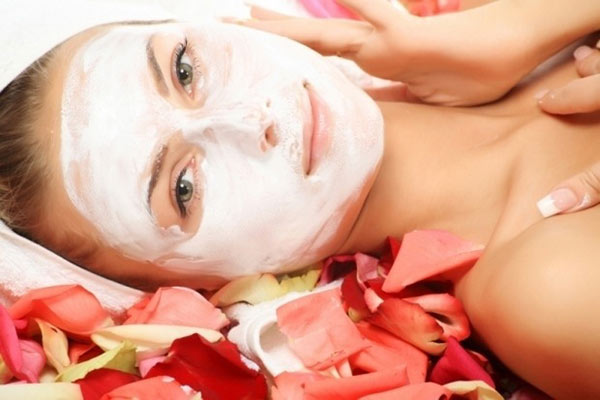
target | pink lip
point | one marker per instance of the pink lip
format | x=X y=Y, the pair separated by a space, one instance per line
x=316 y=131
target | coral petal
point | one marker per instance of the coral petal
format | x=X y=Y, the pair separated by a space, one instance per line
x=157 y=388
x=177 y=306
x=455 y=322
x=421 y=391
x=70 y=308
x=320 y=332
x=425 y=254
x=410 y=323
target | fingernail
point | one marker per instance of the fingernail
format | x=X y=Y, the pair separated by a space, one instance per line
x=557 y=201
x=538 y=96
x=582 y=52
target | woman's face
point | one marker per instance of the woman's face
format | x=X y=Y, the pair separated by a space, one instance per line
x=214 y=149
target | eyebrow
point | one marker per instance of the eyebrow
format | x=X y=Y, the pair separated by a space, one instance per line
x=157 y=165
x=157 y=74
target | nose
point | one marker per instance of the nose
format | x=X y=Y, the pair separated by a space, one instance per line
x=249 y=126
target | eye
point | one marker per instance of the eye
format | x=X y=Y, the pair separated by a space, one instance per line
x=184 y=190
x=183 y=67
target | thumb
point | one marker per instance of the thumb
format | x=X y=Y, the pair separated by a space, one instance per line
x=579 y=96
x=578 y=193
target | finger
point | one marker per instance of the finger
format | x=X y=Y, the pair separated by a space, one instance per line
x=379 y=13
x=587 y=61
x=265 y=14
x=579 y=96
x=578 y=193
x=327 y=36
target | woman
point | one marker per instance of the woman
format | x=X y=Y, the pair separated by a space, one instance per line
x=192 y=154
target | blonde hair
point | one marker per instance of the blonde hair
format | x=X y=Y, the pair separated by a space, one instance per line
x=24 y=171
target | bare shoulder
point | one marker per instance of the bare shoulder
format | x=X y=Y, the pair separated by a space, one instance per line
x=535 y=301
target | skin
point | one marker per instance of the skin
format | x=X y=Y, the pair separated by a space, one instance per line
x=476 y=172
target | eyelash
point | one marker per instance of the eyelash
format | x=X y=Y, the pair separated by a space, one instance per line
x=184 y=210
x=182 y=49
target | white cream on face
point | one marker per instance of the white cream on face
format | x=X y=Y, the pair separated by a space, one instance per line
x=260 y=211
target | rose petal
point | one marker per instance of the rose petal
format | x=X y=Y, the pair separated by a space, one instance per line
x=320 y=332
x=149 y=339
x=146 y=364
x=5 y=374
x=70 y=308
x=420 y=391
x=366 y=268
x=410 y=323
x=214 y=369
x=336 y=267
x=83 y=351
x=425 y=254
x=354 y=298
x=177 y=306
x=121 y=358
x=252 y=289
x=41 y=391
x=390 y=252
x=55 y=344
x=478 y=390
x=356 y=386
x=290 y=385
x=416 y=361
x=454 y=322
x=158 y=388
x=458 y=365
x=101 y=381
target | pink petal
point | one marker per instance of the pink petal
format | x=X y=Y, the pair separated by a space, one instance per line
x=177 y=306
x=327 y=9
x=420 y=391
x=34 y=360
x=320 y=332
x=425 y=254
x=158 y=388
x=455 y=322
x=336 y=267
x=410 y=323
x=9 y=344
x=146 y=364
x=458 y=365
x=366 y=268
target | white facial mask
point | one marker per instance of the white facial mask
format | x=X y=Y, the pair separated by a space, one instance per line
x=261 y=212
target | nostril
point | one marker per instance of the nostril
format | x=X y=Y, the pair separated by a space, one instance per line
x=270 y=136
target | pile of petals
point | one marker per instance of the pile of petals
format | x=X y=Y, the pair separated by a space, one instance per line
x=391 y=330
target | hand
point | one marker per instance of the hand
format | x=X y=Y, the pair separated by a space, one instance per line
x=576 y=194
x=444 y=60
x=581 y=95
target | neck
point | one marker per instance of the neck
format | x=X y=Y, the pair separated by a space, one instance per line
x=434 y=178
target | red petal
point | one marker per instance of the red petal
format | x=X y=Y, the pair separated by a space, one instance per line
x=146 y=364
x=177 y=306
x=455 y=322
x=336 y=267
x=101 y=381
x=34 y=360
x=458 y=365
x=410 y=323
x=428 y=253
x=158 y=388
x=416 y=361
x=421 y=391
x=79 y=352
x=70 y=308
x=356 y=386
x=390 y=252
x=9 y=343
x=320 y=332
x=216 y=370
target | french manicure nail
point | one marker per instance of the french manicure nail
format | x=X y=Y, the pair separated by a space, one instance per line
x=582 y=52
x=557 y=201
x=538 y=96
